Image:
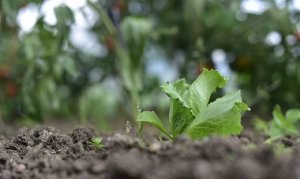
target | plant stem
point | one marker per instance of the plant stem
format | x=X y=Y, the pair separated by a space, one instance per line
x=134 y=105
x=104 y=17
x=122 y=54
x=272 y=139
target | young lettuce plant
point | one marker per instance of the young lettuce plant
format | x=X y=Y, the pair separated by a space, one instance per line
x=281 y=124
x=192 y=113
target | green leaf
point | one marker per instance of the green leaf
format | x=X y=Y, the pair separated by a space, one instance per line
x=135 y=31
x=180 y=117
x=191 y=112
x=97 y=140
x=151 y=118
x=202 y=88
x=278 y=117
x=177 y=90
x=68 y=64
x=281 y=121
x=179 y=108
x=222 y=117
x=64 y=16
x=275 y=130
x=226 y=124
x=280 y=126
x=293 y=115
x=261 y=125
x=221 y=105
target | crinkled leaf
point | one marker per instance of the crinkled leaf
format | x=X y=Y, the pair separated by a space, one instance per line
x=221 y=105
x=202 y=88
x=151 y=118
x=177 y=90
x=180 y=117
x=191 y=113
x=226 y=124
x=222 y=117
x=180 y=113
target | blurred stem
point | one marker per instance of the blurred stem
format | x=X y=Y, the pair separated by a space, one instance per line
x=104 y=17
x=135 y=106
x=122 y=54
x=272 y=139
x=134 y=97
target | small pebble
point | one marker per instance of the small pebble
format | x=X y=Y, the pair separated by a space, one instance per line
x=98 y=168
x=20 y=168
x=155 y=147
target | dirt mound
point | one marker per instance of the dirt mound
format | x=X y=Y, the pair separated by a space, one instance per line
x=44 y=152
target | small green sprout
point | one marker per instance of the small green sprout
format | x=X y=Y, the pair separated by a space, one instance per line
x=280 y=125
x=97 y=142
x=192 y=113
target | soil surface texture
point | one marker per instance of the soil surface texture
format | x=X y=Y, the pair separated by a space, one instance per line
x=44 y=152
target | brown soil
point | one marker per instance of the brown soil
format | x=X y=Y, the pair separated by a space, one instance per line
x=44 y=152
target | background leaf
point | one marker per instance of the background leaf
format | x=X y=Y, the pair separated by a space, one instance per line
x=293 y=115
x=281 y=121
x=135 y=32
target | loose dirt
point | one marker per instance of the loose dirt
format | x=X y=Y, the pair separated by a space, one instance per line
x=44 y=152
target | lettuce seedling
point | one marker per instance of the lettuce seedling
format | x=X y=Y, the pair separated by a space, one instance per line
x=97 y=142
x=281 y=124
x=192 y=113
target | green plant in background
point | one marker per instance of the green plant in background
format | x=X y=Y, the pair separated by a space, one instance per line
x=281 y=124
x=129 y=42
x=9 y=48
x=48 y=65
x=192 y=113
x=98 y=104
x=97 y=142
x=135 y=31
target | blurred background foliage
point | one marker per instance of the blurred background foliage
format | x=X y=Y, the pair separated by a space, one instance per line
x=98 y=60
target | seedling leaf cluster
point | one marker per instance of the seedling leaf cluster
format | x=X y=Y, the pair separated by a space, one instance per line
x=97 y=142
x=192 y=113
x=281 y=124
